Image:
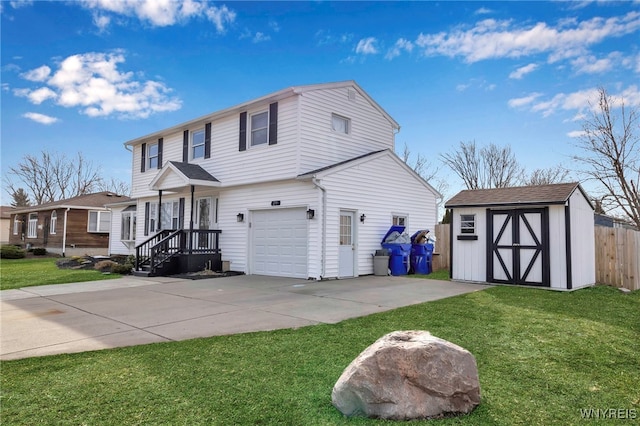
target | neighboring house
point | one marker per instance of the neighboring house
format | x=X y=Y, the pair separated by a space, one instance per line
x=611 y=222
x=5 y=223
x=75 y=226
x=533 y=235
x=300 y=183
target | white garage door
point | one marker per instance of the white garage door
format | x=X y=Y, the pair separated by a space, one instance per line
x=279 y=243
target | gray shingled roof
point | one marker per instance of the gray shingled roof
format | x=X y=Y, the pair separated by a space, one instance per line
x=322 y=169
x=193 y=171
x=95 y=200
x=517 y=195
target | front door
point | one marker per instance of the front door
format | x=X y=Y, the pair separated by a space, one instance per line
x=346 y=255
x=204 y=220
x=517 y=246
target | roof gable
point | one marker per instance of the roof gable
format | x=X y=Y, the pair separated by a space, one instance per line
x=272 y=97
x=186 y=174
x=516 y=195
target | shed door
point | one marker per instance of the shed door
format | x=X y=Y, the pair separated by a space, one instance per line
x=279 y=243
x=518 y=244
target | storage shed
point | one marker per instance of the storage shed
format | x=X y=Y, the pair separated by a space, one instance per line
x=532 y=235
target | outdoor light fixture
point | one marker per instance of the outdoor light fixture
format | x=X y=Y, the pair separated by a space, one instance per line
x=240 y=217
x=362 y=218
x=311 y=213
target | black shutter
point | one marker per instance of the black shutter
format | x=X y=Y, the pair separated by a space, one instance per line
x=144 y=158
x=207 y=140
x=181 y=214
x=273 y=123
x=185 y=146
x=243 y=131
x=160 y=152
x=146 y=218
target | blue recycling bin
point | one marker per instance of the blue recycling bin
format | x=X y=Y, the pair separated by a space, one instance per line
x=399 y=254
x=421 y=256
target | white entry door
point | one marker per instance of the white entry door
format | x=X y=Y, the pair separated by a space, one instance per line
x=279 y=242
x=204 y=220
x=346 y=255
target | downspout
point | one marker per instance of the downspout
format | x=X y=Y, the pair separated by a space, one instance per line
x=323 y=239
x=64 y=232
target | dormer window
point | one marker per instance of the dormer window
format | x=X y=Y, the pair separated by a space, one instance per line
x=197 y=144
x=260 y=128
x=340 y=124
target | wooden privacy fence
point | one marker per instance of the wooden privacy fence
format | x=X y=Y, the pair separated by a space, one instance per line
x=617 y=257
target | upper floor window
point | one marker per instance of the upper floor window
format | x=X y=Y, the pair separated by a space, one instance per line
x=53 y=222
x=340 y=124
x=399 y=220
x=467 y=224
x=260 y=128
x=197 y=144
x=152 y=161
x=32 y=228
x=99 y=221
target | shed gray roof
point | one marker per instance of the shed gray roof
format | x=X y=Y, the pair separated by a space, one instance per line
x=517 y=195
x=193 y=171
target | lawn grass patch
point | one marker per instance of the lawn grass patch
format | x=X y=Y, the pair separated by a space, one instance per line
x=17 y=273
x=542 y=356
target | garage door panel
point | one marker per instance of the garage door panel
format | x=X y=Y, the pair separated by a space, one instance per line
x=279 y=243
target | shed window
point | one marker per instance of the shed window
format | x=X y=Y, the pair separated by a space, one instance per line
x=467 y=223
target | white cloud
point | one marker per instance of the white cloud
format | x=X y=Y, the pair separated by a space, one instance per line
x=524 y=101
x=483 y=11
x=160 y=13
x=260 y=37
x=576 y=133
x=367 y=46
x=491 y=39
x=579 y=101
x=401 y=45
x=589 y=64
x=522 y=71
x=17 y=4
x=37 y=74
x=40 y=118
x=93 y=82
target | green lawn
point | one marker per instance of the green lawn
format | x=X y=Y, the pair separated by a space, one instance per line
x=542 y=357
x=17 y=273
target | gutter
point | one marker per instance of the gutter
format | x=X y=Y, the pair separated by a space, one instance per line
x=323 y=238
x=64 y=232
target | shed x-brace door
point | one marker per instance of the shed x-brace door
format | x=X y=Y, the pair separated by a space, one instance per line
x=518 y=247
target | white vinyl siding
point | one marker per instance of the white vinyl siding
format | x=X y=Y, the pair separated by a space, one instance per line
x=321 y=146
x=359 y=188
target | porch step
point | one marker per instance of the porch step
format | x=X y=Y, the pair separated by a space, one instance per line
x=142 y=273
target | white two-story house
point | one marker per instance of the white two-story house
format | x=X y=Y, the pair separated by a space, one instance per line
x=299 y=183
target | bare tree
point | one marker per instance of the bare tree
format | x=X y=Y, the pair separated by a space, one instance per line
x=425 y=169
x=611 y=153
x=488 y=167
x=555 y=174
x=52 y=177
x=113 y=185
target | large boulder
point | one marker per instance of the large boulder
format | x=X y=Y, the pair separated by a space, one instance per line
x=409 y=375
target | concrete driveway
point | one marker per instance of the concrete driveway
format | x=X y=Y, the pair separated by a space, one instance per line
x=128 y=311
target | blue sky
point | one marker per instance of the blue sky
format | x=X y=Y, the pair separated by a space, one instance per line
x=89 y=75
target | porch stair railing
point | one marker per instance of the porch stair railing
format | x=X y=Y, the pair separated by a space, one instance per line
x=156 y=253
